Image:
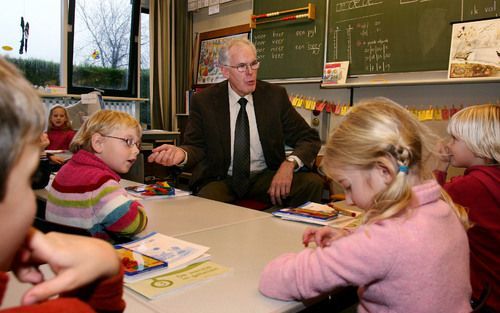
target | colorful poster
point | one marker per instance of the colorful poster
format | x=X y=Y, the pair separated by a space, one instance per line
x=208 y=61
x=475 y=50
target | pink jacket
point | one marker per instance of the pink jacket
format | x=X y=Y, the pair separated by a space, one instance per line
x=418 y=262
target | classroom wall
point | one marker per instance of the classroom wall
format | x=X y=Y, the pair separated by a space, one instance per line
x=237 y=12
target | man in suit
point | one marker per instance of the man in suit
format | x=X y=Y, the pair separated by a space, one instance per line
x=220 y=119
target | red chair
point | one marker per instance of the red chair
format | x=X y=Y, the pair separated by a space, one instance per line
x=252 y=204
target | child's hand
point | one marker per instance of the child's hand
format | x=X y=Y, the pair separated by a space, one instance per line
x=322 y=236
x=44 y=141
x=75 y=260
x=56 y=159
x=444 y=156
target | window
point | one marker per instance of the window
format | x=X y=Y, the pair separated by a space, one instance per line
x=39 y=55
x=102 y=46
x=144 y=74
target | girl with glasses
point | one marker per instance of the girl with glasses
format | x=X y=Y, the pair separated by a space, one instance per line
x=86 y=192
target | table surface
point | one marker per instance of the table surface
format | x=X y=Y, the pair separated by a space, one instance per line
x=186 y=214
x=239 y=238
x=245 y=248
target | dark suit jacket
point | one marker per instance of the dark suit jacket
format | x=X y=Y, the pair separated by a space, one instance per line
x=207 y=138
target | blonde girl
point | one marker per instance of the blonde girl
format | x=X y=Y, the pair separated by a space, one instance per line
x=59 y=129
x=411 y=252
x=59 y=132
x=86 y=192
x=475 y=146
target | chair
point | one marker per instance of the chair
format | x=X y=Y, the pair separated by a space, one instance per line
x=46 y=226
x=252 y=204
x=477 y=305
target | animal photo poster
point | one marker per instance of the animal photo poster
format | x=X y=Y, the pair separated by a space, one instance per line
x=475 y=50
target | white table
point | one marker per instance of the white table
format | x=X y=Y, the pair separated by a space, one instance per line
x=242 y=239
x=246 y=248
x=188 y=214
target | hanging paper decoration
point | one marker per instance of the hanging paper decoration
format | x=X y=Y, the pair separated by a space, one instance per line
x=320 y=105
x=25 y=32
x=21 y=48
x=329 y=107
x=445 y=113
x=338 y=108
x=26 y=35
x=95 y=55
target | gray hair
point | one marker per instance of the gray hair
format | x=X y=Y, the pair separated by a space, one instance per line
x=224 y=51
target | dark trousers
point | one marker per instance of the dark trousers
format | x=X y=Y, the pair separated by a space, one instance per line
x=306 y=186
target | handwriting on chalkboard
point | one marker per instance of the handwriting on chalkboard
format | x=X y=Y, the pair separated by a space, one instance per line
x=375 y=36
x=355 y=4
x=381 y=36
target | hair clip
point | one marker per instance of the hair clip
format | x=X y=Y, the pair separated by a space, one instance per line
x=404 y=169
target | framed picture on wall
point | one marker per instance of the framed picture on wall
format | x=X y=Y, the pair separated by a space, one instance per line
x=475 y=49
x=209 y=44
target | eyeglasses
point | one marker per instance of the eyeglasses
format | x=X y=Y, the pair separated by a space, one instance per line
x=242 y=67
x=130 y=142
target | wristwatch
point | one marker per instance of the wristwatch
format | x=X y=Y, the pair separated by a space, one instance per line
x=292 y=159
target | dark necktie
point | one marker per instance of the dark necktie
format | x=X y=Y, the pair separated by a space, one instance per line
x=241 y=156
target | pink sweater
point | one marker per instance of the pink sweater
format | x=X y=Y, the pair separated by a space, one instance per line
x=414 y=263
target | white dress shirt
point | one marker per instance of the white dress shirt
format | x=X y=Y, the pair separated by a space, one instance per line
x=257 y=161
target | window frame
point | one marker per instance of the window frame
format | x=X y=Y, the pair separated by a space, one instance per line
x=133 y=76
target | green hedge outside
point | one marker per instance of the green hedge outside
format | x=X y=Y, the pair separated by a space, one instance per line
x=46 y=73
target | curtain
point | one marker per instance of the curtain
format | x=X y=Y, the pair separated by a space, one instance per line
x=170 y=33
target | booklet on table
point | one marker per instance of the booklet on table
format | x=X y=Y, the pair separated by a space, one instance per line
x=157 y=254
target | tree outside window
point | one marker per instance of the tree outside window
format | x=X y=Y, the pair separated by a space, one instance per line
x=103 y=46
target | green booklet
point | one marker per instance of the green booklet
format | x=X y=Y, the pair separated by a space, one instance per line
x=194 y=273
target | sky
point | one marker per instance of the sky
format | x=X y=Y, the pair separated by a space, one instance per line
x=44 y=18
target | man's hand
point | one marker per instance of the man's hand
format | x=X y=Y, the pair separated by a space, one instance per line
x=281 y=183
x=167 y=155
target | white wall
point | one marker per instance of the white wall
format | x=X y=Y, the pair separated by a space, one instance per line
x=232 y=13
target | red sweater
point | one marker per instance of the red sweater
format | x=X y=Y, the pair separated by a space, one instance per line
x=60 y=139
x=479 y=192
x=104 y=296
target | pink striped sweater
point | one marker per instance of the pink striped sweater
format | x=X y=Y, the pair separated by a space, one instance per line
x=86 y=193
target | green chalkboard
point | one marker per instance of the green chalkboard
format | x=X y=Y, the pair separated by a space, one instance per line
x=293 y=48
x=386 y=36
x=376 y=36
